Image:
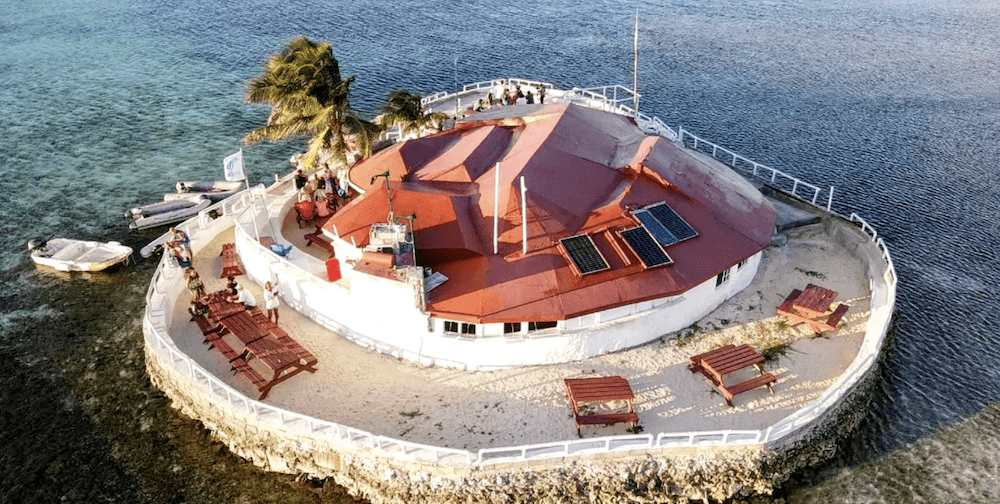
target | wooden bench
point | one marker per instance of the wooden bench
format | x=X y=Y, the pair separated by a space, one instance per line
x=204 y=325
x=786 y=306
x=765 y=379
x=606 y=419
x=230 y=261
x=320 y=240
x=256 y=379
x=836 y=316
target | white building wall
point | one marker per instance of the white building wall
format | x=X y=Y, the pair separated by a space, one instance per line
x=382 y=314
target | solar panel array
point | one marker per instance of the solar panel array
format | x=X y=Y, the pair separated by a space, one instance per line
x=644 y=246
x=655 y=228
x=672 y=222
x=584 y=254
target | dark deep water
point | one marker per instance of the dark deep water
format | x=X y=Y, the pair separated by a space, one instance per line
x=107 y=103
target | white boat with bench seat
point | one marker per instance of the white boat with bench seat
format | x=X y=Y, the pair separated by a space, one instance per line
x=65 y=254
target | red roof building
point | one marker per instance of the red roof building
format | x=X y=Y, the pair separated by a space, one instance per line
x=587 y=173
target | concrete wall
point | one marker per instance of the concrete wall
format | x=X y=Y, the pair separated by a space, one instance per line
x=384 y=470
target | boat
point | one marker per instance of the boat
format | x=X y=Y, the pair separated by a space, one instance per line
x=166 y=212
x=66 y=254
x=214 y=190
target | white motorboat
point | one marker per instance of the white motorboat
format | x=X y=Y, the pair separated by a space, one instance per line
x=65 y=254
x=166 y=212
x=214 y=190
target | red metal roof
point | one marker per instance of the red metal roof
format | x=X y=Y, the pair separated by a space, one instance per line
x=583 y=169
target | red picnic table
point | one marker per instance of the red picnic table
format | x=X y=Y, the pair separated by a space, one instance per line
x=811 y=306
x=729 y=359
x=258 y=337
x=600 y=390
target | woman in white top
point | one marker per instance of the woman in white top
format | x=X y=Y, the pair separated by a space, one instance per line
x=271 y=300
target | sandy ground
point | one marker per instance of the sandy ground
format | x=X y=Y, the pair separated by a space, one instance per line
x=473 y=410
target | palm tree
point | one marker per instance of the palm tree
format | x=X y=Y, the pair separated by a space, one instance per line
x=308 y=97
x=404 y=109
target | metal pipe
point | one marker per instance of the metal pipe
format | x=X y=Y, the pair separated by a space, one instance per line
x=496 y=210
x=524 y=217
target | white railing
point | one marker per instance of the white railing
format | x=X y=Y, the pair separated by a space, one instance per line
x=883 y=249
x=477 y=86
x=760 y=171
x=159 y=304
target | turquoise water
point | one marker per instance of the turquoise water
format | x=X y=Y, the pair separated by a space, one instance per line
x=106 y=104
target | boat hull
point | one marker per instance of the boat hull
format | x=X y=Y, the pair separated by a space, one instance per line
x=214 y=190
x=65 y=254
x=166 y=212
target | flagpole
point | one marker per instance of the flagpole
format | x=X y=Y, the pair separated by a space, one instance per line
x=253 y=211
x=635 y=66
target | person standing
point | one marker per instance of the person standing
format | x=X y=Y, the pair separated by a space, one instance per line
x=194 y=284
x=271 y=300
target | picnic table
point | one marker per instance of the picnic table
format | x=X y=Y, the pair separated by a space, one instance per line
x=258 y=338
x=728 y=359
x=219 y=307
x=600 y=390
x=811 y=306
x=230 y=261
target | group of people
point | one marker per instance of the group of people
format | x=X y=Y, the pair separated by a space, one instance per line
x=179 y=246
x=319 y=194
x=503 y=94
x=234 y=293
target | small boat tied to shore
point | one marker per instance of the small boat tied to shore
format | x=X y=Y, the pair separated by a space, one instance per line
x=214 y=190
x=166 y=212
x=66 y=254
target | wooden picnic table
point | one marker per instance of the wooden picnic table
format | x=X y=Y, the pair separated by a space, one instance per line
x=729 y=359
x=219 y=306
x=814 y=300
x=230 y=261
x=811 y=306
x=599 y=390
x=261 y=339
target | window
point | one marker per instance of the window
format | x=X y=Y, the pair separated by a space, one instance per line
x=721 y=279
x=468 y=328
x=511 y=327
x=538 y=326
x=742 y=264
x=450 y=327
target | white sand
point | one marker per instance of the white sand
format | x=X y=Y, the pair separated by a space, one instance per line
x=473 y=410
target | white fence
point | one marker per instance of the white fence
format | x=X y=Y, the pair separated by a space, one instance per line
x=166 y=287
x=774 y=176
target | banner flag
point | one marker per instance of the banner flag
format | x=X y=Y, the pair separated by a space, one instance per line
x=233 y=166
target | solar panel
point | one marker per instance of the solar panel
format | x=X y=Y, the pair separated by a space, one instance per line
x=655 y=228
x=673 y=222
x=584 y=254
x=646 y=247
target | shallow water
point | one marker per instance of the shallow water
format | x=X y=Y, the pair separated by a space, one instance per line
x=108 y=103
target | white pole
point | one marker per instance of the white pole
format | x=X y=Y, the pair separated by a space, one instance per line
x=635 y=65
x=496 y=211
x=829 y=202
x=524 y=217
x=253 y=210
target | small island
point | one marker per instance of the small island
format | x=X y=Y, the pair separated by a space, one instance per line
x=450 y=273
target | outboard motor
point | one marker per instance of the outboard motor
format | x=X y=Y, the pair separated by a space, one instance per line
x=37 y=244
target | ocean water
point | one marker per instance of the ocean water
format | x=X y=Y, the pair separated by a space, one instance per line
x=107 y=103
